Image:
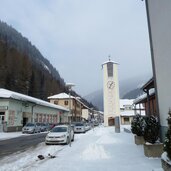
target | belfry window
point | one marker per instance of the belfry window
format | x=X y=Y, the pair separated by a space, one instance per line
x=110 y=69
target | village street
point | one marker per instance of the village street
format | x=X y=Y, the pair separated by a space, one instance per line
x=100 y=149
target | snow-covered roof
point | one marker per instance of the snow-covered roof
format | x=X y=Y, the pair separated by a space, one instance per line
x=66 y=96
x=61 y=96
x=124 y=102
x=18 y=96
x=109 y=62
x=138 y=106
x=130 y=113
x=144 y=96
x=129 y=102
x=127 y=113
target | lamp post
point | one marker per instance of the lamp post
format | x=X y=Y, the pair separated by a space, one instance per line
x=69 y=86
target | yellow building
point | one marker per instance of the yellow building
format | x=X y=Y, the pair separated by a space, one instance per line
x=75 y=104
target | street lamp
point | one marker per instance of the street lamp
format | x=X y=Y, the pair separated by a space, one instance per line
x=69 y=86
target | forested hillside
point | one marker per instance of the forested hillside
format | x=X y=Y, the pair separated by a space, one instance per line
x=22 y=67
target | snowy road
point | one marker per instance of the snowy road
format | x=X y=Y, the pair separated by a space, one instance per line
x=21 y=143
x=98 y=150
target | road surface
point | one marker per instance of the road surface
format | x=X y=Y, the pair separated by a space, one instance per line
x=22 y=143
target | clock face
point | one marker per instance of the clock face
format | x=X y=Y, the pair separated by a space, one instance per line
x=110 y=84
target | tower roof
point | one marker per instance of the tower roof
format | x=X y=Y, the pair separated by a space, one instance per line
x=109 y=61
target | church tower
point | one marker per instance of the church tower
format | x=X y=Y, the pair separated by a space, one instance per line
x=110 y=92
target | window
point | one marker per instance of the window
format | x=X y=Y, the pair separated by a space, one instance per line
x=66 y=102
x=110 y=69
x=126 y=120
x=127 y=107
x=56 y=102
x=2 y=117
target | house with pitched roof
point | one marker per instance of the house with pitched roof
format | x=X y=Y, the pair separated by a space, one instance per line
x=78 y=110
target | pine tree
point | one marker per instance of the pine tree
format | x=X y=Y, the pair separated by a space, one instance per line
x=167 y=142
x=151 y=129
x=137 y=125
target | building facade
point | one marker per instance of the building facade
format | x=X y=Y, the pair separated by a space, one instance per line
x=75 y=105
x=126 y=111
x=17 y=109
x=159 y=24
x=148 y=99
x=110 y=92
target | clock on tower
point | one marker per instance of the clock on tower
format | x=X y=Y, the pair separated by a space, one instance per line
x=110 y=84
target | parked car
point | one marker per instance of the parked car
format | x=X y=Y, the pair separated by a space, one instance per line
x=60 y=135
x=31 y=128
x=79 y=127
x=44 y=127
x=72 y=126
x=87 y=126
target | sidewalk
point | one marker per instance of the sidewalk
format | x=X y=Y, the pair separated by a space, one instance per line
x=8 y=135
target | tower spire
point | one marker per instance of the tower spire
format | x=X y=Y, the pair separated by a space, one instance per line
x=109 y=57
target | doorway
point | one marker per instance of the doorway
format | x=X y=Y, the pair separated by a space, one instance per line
x=111 y=121
x=2 y=118
x=25 y=120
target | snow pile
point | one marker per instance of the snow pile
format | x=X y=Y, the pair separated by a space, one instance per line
x=165 y=157
x=22 y=161
x=106 y=139
x=94 y=152
x=8 y=135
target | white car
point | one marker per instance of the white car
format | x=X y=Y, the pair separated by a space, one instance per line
x=60 y=135
x=79 y=127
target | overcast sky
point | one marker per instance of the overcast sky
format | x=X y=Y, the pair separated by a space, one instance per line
x=77 y=36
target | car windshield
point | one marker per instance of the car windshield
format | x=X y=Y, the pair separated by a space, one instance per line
x=29 y=124
x=79 y=124
x=59 y=129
